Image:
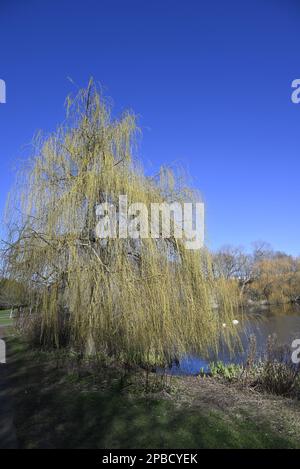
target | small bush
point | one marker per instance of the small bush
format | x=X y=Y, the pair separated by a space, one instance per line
x=277 y=374
x=229 y=372
x=274 y=372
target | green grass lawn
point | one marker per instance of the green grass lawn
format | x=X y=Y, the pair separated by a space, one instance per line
x=57 y=406
x=4 y=318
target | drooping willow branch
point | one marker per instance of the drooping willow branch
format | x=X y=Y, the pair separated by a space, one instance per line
x=138 y=300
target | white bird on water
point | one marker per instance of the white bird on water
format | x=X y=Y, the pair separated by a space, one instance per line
x=235 y=322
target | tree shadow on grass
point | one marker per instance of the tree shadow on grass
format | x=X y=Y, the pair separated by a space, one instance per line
x=51 y=411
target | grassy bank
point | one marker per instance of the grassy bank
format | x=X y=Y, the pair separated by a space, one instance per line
x=60 y=403
x=5 y=319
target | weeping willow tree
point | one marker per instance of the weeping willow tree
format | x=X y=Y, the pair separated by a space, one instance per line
x=140 y=300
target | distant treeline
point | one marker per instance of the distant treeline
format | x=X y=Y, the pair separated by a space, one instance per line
x=263 y=275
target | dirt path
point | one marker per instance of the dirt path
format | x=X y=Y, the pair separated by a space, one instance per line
x=8 y=438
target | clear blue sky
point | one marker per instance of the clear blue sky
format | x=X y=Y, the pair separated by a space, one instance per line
x=210 y=81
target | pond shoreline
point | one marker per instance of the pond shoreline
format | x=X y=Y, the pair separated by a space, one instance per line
x=280 y=323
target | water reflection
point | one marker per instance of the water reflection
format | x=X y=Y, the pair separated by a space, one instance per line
x=284 y=321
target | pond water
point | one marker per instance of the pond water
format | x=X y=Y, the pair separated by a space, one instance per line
x=282 y=321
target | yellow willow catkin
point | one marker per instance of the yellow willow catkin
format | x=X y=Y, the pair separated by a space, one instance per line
x=145 y=301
